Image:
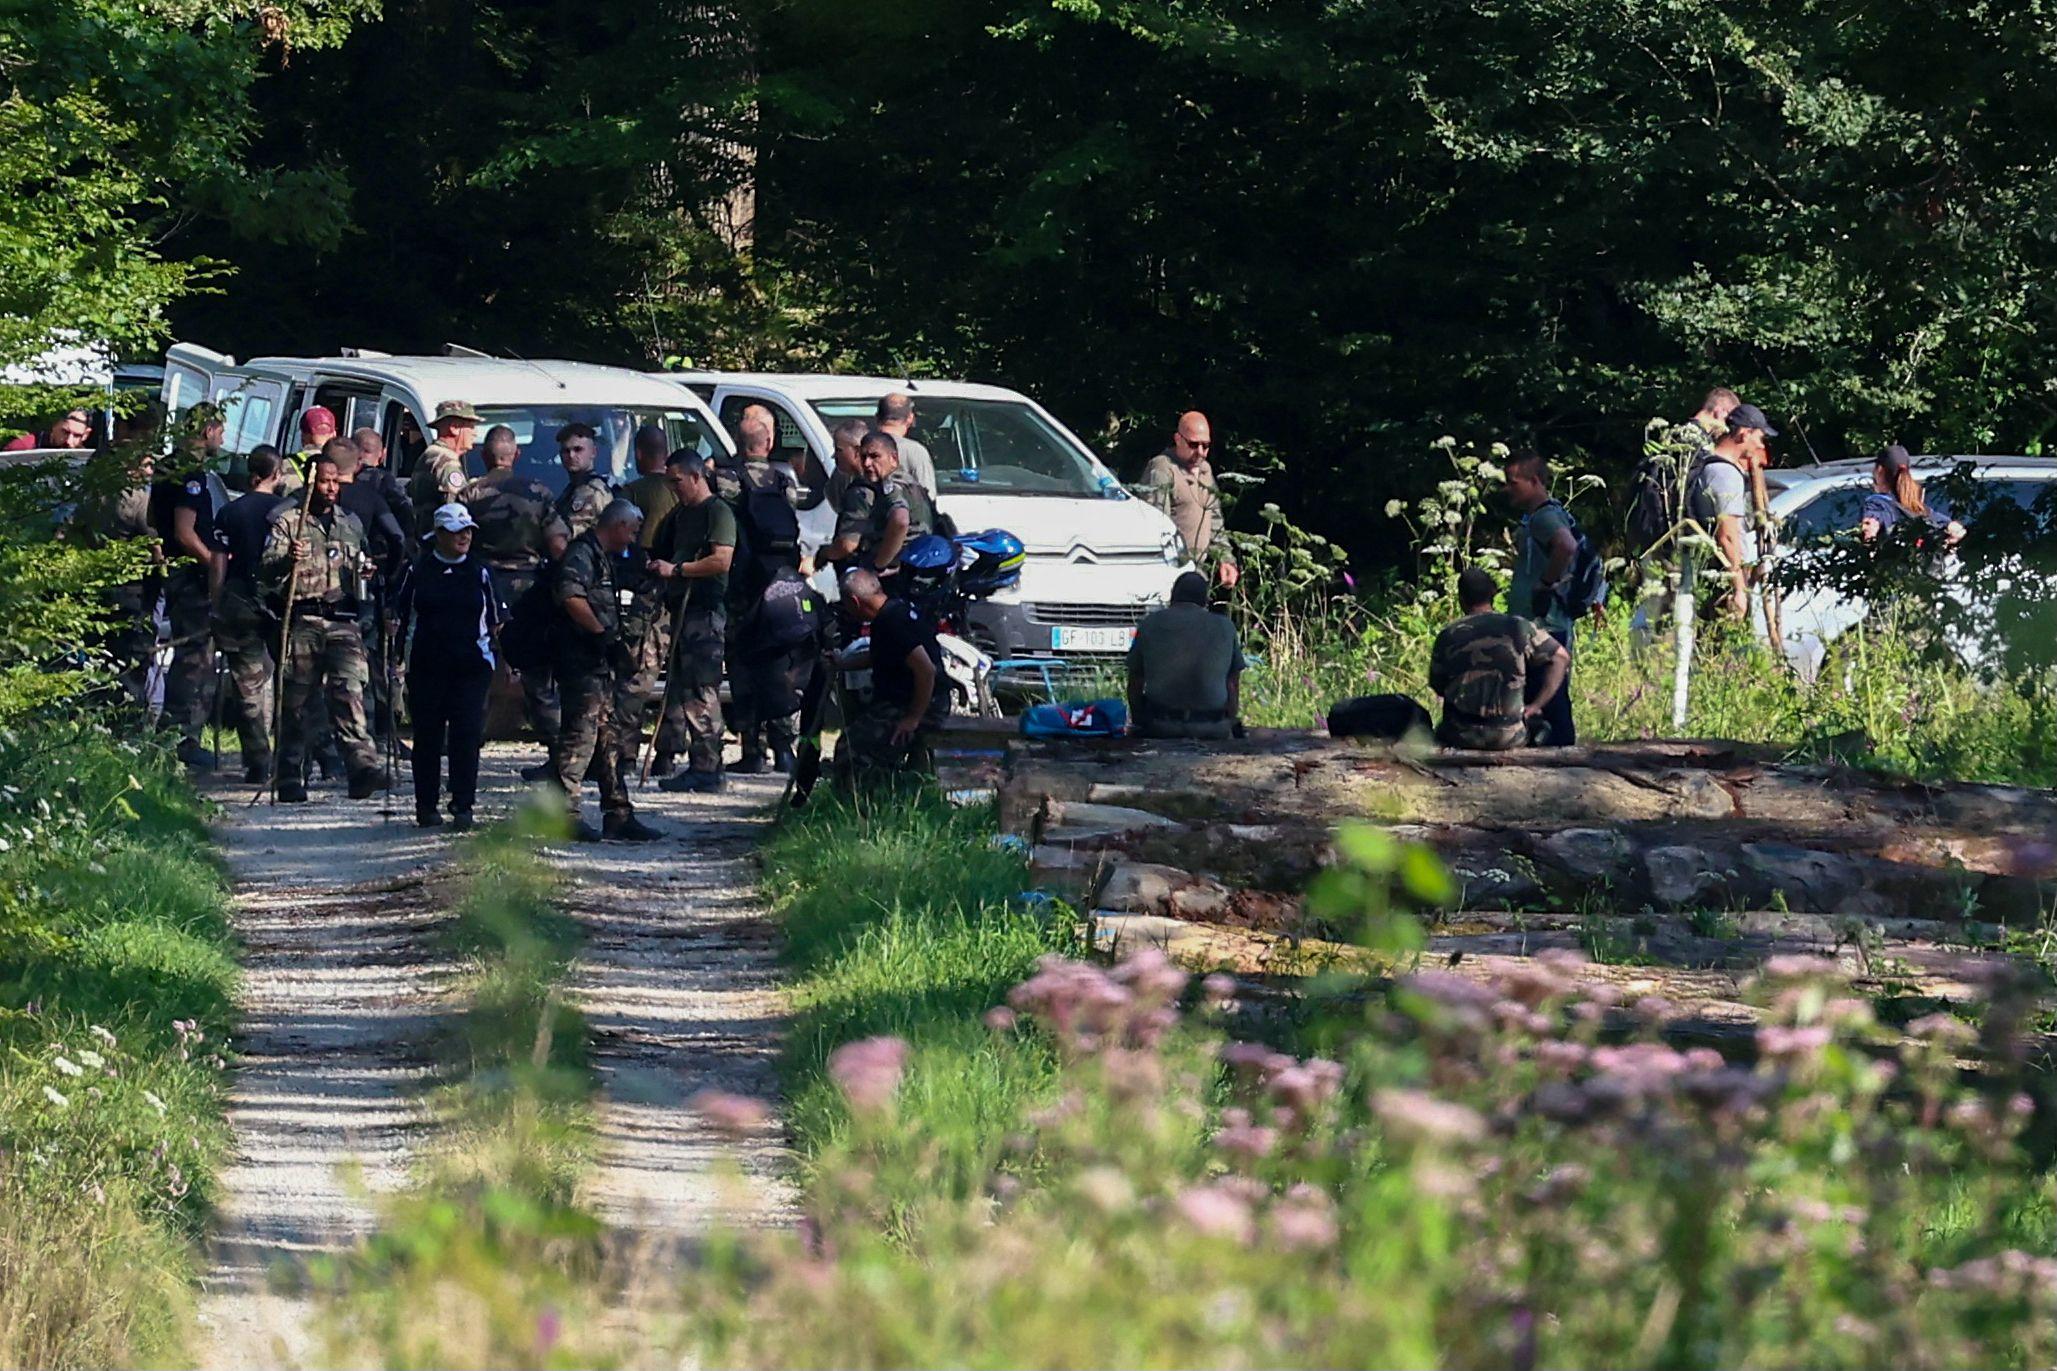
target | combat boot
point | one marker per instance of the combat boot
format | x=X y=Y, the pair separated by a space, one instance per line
x=194 y=755
x=627 y=828
x=584 y=832
x=292 y=792
x=258 y=771
x=663 y=764
x=541 y=771
x=752 y=760
x=782 y=760
x=461 y=821
x=692 y=783
x=364 y=783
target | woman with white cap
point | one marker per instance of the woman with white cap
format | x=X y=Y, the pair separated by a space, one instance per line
x=447 y=599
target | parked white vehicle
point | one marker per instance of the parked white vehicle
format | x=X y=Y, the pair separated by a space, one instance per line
x=263 y=400
x=1815 y=503
x=1098 y=558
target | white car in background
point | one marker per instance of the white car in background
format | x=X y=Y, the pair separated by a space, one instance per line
x=263 y=399
x=1098 y=558
x=1813 y=504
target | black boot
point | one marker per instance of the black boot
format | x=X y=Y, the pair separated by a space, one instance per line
x=364 y=783
x=663 y=764
x=541 y=771
x=292 y=792
x=782 y=760
x=628 y=828
x=752 y=760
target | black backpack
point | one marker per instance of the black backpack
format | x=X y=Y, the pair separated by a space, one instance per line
x=1386 y=717
x=1653 y=503
x=773 y=524
x=532 y=621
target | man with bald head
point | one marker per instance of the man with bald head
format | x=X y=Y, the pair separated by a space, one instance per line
x=1180 y=481
x=896 y=416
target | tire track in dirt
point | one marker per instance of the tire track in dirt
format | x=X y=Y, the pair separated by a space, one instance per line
x=679 y=984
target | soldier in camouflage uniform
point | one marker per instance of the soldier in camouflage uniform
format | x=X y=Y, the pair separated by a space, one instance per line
x=1494 y=672
x=692 y=555
x=114 y=516
x=511 y=511
x=589 y=656
x=882 y=513
x=325 y=557
x=586 y=492
x=439 y=471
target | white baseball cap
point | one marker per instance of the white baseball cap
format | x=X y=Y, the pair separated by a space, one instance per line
x=453 y=518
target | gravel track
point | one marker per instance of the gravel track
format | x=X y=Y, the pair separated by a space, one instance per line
x=341 y=993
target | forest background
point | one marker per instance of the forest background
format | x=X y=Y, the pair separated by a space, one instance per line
x=1342 y=228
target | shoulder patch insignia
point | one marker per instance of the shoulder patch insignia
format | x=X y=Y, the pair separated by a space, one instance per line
x=194 y=487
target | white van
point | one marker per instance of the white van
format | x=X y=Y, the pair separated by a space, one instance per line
x=1098 y=558
x=264 y=398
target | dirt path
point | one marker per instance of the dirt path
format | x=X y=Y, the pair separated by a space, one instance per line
x=335 y=904
x=679 y=984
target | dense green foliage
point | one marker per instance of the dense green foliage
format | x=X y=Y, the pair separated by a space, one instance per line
x=116 y=975
x=1344 y=228
x=118 y=120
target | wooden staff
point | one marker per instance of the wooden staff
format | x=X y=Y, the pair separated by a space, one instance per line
x=278 y=670
x=1767 y=544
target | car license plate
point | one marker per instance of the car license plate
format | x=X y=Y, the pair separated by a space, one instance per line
x=1112 y=639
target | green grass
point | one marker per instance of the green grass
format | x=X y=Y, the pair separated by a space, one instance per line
x=903 y=918
x=117 y=981
x=1878 y=700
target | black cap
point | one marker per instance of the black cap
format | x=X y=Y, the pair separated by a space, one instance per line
x=1895 y=458
x=1749 y=416
x=1189 y=589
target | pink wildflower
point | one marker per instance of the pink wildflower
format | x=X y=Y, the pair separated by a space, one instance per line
x=1304 y=1220
x=1001 y=1019
x=1249 y=1142
x=869 y=1070
x=1421 y=1117
x=1799 y=967
x=1773 y=1040
x=1215 y=1211
x=731 y=1113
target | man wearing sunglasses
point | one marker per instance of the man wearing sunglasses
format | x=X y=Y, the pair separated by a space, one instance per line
x=1180 y=481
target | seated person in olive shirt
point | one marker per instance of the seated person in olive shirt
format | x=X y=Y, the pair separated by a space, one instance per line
x=1185 y=669
x=1496 y=673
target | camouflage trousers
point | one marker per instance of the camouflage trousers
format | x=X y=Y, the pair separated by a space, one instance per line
x=243 y=632
x=129 y=637
x=634 y=692
x=587 y=744
x=867 y=752
x=189 y=685
x=325 y=662
x=692 y=722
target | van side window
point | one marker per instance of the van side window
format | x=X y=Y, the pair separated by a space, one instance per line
x=788 y=443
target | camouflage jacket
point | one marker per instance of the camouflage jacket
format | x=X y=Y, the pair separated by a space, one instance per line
x=510 y=510
x=583 y=502
x=332 y=573
x=438 y=477
x=1480 y=667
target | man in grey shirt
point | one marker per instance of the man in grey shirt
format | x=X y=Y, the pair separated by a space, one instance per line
x=1719 y=498
x=1185 y=668
x=896 y=416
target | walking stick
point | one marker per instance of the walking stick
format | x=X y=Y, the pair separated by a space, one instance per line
x=278 y=669
x=1767 y=544
x=646 y=749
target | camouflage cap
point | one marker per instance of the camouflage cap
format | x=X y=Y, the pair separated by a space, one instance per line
x=459 y=410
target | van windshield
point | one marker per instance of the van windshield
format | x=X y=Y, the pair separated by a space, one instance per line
x=535 y=430
x=989 y=447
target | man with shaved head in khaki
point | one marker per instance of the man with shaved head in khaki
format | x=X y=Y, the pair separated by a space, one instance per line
x=1180 y=481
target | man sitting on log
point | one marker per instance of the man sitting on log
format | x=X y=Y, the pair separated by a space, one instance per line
x=1494 y=672
x=1185 y=669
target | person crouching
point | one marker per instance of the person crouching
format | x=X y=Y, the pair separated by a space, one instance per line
x=1496 y=673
